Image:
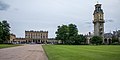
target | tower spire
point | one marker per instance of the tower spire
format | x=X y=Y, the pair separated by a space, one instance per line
x=97 y=2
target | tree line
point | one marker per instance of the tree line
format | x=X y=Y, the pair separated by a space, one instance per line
x=4 y=31
x=68 y=34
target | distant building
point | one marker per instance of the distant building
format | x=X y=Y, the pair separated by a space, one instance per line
x=88 y=37
x=30 y=37
x=12 y=38
x=53 y=41
x=37 y=36
x=108 y=38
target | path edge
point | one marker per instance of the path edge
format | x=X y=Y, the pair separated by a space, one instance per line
x=46 y=56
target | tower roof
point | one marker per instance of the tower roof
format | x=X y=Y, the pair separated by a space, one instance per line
x=98 y=9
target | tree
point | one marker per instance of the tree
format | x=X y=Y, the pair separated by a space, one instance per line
x=96 y=40
x=80 y=39
x=69 y=34
x=62 y=33
x=1 y=32
x=4 y=31
x=73 y=33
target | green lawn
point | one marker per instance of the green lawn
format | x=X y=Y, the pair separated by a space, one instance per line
x=82 y=52
x=7 y=45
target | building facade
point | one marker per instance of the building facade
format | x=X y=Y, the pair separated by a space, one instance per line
x=98 y=21
x=37 y=36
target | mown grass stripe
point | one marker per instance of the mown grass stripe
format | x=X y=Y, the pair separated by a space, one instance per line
x=81 y=52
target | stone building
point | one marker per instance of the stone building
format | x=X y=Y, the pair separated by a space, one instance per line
x=116 y=34
x=20 y=40
x=108 y=38
x=111 y=37
x=98 y=21
x=37 y=36
x=12 y=38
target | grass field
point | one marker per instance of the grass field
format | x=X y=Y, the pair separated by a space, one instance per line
x=82 y=52
x=7 y=45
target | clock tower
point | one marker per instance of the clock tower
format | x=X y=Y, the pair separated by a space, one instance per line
x=98 y=21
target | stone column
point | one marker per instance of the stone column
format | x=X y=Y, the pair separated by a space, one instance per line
x=107 y=40
x=88 y=41
x=119 y=39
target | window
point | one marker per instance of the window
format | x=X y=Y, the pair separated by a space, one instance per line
x=41 y=36
x=99 y=16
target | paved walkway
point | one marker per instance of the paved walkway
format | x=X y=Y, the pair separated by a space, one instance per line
x=26 y=52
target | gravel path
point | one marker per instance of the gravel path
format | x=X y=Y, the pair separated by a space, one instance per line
x=26 y=52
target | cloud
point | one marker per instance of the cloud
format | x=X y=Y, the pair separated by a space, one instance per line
x=3 y=6
x=109 y=20
x=88 y=22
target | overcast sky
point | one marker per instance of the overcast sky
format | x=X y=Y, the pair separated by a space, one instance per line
x=48 y=14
